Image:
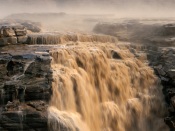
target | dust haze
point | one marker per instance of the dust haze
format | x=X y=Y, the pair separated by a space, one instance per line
x=85 y=65
x=120 y=8
x=83 y=15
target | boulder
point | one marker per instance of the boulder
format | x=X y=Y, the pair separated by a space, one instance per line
x=22 y=39
x=7 y=32
x=8 y=40
x=20 y=30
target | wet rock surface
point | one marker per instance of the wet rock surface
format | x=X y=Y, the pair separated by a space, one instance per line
x=167 y=61
x=26 y=76
x=162 y=60
x=25 y=88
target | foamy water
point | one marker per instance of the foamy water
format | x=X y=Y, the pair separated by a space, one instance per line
x=97 y=86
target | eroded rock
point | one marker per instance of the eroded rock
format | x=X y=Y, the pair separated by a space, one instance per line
x=12 y=35
x=20 y=30
x=7 y=32
x=25 y=89
x=8 y=40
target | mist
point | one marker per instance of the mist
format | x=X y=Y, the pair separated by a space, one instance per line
x=87 y=65
x=120 y=8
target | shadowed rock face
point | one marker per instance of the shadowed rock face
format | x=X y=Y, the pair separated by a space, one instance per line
x=24 y=89
x=162 y=60
x=165 y=69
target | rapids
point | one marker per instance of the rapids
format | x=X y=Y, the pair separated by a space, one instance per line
x=47 y=38
x=99 y=86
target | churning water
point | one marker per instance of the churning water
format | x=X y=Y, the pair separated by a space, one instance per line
x=101 y=87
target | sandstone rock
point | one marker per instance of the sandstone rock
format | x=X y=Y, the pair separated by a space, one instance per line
x=22 y=39
x=7 y=32
x=20 y=31
x=8 y=40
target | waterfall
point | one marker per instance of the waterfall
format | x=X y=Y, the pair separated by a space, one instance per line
x=99 y=86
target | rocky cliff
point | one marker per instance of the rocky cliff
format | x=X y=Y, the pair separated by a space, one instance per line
x=61 y=83
x=26 y=82
x=25 y=88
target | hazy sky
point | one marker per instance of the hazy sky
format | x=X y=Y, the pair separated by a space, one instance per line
x=88 y=6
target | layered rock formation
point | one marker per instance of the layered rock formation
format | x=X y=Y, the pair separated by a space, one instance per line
x=13 y=35
x=143 y=32
x=165 y=69
x=24 y=88
x=18 y=35
x=15 y=31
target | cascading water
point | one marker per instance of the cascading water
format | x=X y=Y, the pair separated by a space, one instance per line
x=57 y=38
x=98 y=86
